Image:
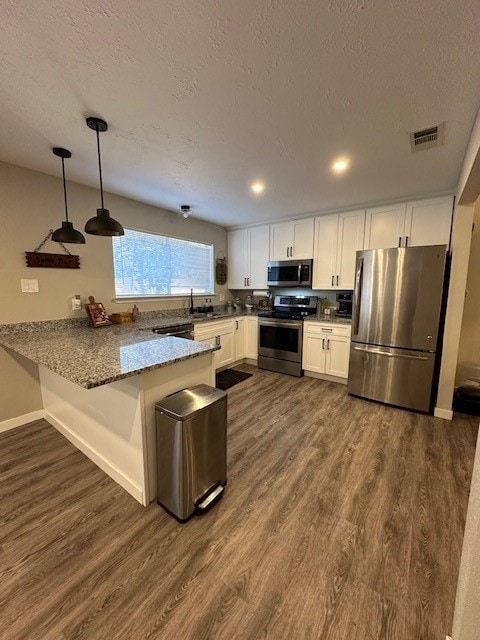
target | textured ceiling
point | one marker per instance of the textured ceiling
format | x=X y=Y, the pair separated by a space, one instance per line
x=202 y=97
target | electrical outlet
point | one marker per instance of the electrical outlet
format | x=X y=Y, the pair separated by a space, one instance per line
x=29 y=286
x=76 y=303
x=221 y=297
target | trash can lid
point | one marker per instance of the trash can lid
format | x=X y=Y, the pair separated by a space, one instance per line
x=185 y=403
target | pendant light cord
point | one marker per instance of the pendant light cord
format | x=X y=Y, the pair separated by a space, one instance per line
x=64 y=189
x=100 y=167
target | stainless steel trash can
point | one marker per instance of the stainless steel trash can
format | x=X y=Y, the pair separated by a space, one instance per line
x=191 y=450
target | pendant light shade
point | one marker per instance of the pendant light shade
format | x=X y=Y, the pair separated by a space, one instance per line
x=102 y=224
x=66 y=233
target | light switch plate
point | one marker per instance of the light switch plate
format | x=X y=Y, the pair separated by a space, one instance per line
x=29 y=285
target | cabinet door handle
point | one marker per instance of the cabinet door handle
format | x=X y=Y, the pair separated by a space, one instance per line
x=399 y=241
x=328 y=344
x=217 y=341
x=236 y=325
x=333 y=277
x=248 y=281
x=406 y=241
x=337 y=281
x=291 y=252
x=323 y=343
x=288 y=252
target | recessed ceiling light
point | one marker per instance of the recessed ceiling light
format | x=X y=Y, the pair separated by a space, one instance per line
x=340 y=165
x=257 y=187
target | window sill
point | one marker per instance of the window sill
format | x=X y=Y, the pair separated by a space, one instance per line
x=166 y=297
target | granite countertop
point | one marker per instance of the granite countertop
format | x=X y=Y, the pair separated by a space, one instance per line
x=94 y=357
x=334 y=319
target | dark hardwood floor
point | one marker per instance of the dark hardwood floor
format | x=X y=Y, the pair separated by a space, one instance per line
x=342 y=520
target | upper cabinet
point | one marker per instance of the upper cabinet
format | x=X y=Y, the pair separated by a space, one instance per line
x=409 y=224
x=384 y=226
x=337 y=238
x=292 y=239
x=248 y=254
x=428 y=222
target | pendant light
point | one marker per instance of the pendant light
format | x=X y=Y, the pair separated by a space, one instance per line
x=102 y=224
x=66 y=233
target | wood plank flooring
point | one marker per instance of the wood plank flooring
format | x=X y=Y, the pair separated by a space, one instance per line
x=342 y=519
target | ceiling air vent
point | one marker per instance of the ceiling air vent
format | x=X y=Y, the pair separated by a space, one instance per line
x=427 y=138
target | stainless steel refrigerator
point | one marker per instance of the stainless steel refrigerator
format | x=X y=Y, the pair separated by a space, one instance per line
x=395 y=325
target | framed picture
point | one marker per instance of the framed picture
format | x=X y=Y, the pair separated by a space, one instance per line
x=97 y=315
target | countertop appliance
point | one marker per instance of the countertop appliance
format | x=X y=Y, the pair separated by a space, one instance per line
x=345 y=305
x=395 y=328
x=176 y=331
x=280 y=334
x=290 y=273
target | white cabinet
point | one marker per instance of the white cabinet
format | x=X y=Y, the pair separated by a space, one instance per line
x=221 y=333
x=292 y=239
x=240 y=338
x=251 y=336
x=248 y=254
x=415 y=223
x=326 y=349
x=384 y=226
x=428 y=221
x=337 y=238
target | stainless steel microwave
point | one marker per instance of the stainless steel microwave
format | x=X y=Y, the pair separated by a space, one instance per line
x=290 y=273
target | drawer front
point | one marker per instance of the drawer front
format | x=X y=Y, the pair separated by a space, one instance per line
x=214 y=328
x=316 y=328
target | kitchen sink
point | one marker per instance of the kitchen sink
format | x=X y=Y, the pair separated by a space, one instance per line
x=206 y=316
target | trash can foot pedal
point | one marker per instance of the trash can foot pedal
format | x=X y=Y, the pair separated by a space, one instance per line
x=211 y=498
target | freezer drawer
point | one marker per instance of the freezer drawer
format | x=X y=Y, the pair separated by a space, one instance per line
x=394 y=376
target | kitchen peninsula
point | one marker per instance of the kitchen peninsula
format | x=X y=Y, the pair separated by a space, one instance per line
x=99 y=388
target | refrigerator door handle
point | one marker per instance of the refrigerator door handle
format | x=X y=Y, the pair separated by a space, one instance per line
x=357 y=293
x=381 y=352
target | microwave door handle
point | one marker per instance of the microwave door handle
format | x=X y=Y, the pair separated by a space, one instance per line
x=299 y=274
x=357 y=292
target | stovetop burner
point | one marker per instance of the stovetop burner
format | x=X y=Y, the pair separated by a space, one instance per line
x=292 y=307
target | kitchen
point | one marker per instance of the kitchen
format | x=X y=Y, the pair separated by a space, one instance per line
x=32 y=204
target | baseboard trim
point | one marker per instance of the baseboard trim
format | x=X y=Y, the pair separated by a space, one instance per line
x=446 y=414
x=325 y=376
x=19 y=421
x=106 y=466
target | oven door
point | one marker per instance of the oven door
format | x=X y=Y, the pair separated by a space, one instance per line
x=281 y=339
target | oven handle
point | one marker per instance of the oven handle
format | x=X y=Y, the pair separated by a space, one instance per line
x=280 y=323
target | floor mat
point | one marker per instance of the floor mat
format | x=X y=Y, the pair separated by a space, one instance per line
x=228 y=377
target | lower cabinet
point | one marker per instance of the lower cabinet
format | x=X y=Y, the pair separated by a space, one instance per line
x=221 y=333
x=326 y=349
x=251 y=337
x=240 y=339
x=237 y=337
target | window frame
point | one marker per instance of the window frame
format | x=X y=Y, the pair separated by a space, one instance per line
x=160 y=296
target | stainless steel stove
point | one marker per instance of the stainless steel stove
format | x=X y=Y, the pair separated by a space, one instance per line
x=280 y=334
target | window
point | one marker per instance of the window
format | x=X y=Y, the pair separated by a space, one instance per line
x=147 y=264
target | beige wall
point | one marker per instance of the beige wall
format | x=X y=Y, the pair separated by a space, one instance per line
x=31 y=204
x=469 y=350
x=461 y=238
x=466 y=619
